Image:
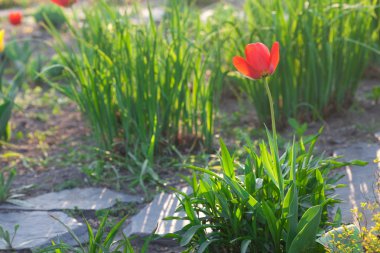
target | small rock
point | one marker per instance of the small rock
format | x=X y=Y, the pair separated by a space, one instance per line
x=151 y=217
x=37 y=229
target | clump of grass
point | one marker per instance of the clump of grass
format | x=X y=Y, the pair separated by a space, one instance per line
x=103 y=239
x=5 y=185
x=142 y=86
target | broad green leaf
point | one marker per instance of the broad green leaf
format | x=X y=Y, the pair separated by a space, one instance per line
x=189 y=210
x=273 y=223
x=276 y=162
x=358 y=162
x=244 y=245
x=223 y=202
x=205 y=245
x=320 y=188
x=241 y=192
x=206 y=190
x=249 y=177
x=338 y=218
x=290 y=212
x=268 y=165
x=188 y=235
x=306 y=230
x=113 y=232
x=227 y=162
x=293 y=164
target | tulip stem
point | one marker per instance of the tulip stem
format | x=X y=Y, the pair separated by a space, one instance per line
x=271 y=108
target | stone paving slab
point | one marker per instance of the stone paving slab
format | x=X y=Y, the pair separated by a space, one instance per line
x=151 y=217
x=38 y=228
x=360 y=181
x=83 y=199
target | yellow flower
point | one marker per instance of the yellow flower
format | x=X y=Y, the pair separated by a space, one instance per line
x=2 y=32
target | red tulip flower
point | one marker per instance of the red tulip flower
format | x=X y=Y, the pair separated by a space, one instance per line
x=15 y=17
x=258 y=62
x=64 y=3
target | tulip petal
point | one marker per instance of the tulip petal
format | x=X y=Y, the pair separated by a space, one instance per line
x=274 y=57
x=243 y=67
x=258 y=57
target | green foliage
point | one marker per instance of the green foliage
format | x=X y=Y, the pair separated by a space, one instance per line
x=11 y=57
x=8 y=92
x=6 y=237
x=34 y=67
x=298 y=128
x=50 y=14
x=142 y=86
x=271 y=203
x=375 y=94
x=54 y=69
x=5 y=184
x=323 y=53
x=18 y=53
x=5 y=4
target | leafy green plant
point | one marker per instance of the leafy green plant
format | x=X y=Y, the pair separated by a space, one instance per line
x=50 y=14
x=5 y=185
x=374 y=94
x=7 y=97
x=298 y=128
x=55 y=72
x=6 y=237
x=34 y=67
x=6 y=4
x=99 y=241
x=143 y=87
x=11 y=57
x=271 y=203
x=17 y=53
x=5 y=108
x=323 y=57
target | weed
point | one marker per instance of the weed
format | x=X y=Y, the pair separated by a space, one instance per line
x=5 y=185
x=101 y=241
x=6 y=237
